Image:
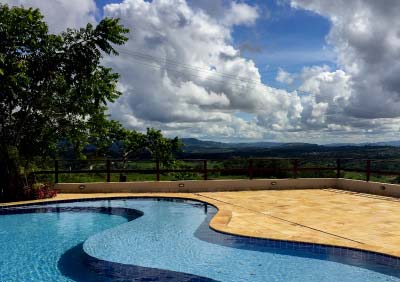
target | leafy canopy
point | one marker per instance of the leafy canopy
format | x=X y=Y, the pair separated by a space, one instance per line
x=53 y=89
x=52 y=86
x=132 y=144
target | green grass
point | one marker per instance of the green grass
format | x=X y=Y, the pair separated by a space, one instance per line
x=96 y=177
x=131 y=177
x=374 y=178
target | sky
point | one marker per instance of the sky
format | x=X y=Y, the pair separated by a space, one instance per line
x=257 y=70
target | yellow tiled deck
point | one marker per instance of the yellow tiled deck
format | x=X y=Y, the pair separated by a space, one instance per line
x=325 y=216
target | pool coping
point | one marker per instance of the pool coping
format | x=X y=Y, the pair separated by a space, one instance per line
x=221 y=220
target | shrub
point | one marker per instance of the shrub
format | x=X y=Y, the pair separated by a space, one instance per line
x=43 y=191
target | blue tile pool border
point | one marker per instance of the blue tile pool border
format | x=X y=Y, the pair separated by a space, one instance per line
x=330 y=251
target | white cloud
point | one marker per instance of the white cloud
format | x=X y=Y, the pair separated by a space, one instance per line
x=227 y=12
x=61 y=14
x=327 y=92
x=366 y=37
x=240 y=14
x=181 y=72
x=363 y=94
x=284 y=77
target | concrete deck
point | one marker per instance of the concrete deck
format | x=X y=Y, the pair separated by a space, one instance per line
x=325 y=216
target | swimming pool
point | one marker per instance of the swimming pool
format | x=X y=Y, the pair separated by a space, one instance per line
x=158 y=240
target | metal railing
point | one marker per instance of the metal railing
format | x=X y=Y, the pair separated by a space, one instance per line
x=251 y=169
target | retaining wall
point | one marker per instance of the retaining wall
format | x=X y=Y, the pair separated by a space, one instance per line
x=193 y=186
x=196 y=185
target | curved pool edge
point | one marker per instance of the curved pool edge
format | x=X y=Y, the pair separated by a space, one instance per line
x=221 y=219
x=80 y=266
x=68 y=264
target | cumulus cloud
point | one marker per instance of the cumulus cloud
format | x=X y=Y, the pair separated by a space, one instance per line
x=180 y=70
x=61 y=14
x=284 y=77
x=328 y=92
x=240 y=14
x=366 y=37
x=227 y=12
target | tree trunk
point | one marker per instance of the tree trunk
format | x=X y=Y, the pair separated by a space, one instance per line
x=122 y=176
x=11 y=181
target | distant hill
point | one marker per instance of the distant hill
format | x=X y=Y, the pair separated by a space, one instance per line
x=196 y=143
x=195 y=148
x=193 y=142
x=193 y=145
x=387 y=143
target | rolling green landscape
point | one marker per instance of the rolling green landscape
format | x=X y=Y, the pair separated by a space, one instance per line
x=233 y=161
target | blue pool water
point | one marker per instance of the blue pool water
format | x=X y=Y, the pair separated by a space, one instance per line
x=152 y=240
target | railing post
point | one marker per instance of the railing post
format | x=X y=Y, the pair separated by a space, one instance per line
x=108 y=167
x=205 y=170
x=55 y=171
x=250 y=169
x=158 y=170
x=295 y=168
x=368 y=170
x=338 y=168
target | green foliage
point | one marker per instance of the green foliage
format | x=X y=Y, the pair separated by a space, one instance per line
x=131 y=141
x=176 y=164
x=52 y=87
x=161 y=148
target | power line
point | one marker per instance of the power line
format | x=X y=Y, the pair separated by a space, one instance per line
x=170 y=69
x=170 y=64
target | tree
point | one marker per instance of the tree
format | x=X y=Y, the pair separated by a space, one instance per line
x=127 y=144
x=161 y=148
x=130 y=142
x=52 y=87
